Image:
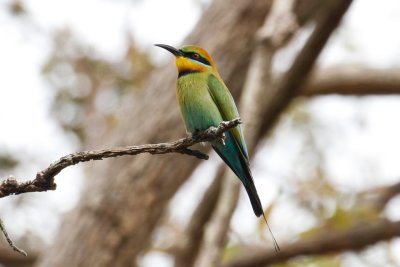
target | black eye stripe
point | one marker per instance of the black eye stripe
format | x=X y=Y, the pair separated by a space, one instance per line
x=199 y=58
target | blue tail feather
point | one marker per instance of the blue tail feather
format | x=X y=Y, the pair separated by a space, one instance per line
x=232 y=156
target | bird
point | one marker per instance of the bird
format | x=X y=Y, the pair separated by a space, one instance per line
x=205 y=101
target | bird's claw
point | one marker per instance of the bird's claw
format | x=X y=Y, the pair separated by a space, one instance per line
x=212 y=130
x=222 y=139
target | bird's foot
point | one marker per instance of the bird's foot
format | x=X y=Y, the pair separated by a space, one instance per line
x=221 y=139
x=211 y=131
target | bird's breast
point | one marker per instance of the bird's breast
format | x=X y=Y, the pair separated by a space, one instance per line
x=197 y=106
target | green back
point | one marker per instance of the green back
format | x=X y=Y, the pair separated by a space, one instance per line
x=226 y=105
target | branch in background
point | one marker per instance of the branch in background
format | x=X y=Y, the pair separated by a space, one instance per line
x=378 y=197
x=352 y=80
x=307 y=10
x=45 y=179
x=187 y=248
x=356 y=238
x=350 y=239
x=291 y=83
x=277 y=31
x=217 y=228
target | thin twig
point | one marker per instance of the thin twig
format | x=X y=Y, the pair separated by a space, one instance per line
x=10 y=242
x=45 y=179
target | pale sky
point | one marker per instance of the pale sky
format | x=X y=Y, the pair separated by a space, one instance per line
x=27 y=128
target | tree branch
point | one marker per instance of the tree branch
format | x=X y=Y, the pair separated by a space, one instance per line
x=378 y=197
x=188 y=247
x=218 y=226
x=352 y=80
x=45 y=179
x=292 y=82
x=356 y=238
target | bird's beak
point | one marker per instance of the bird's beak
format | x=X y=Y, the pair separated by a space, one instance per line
x=171 y=49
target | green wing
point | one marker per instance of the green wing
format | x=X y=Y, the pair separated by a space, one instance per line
x=227 y=107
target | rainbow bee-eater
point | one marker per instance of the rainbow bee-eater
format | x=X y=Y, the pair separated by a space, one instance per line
x=205 y=101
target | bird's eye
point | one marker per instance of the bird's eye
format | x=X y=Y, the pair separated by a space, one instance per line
x=196 y=56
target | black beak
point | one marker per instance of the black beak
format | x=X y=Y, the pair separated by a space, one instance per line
x=171 y=49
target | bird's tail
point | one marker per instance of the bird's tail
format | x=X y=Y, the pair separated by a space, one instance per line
x=256 y=204
x=245 y=176
x=233 y=157
x=254 y=199
x=239 y=165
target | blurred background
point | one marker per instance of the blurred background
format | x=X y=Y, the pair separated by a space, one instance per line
x=78 y=75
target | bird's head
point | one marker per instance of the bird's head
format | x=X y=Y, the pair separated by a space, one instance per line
x=191 y=58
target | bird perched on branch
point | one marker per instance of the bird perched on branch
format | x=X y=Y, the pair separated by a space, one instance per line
x=205 y=101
